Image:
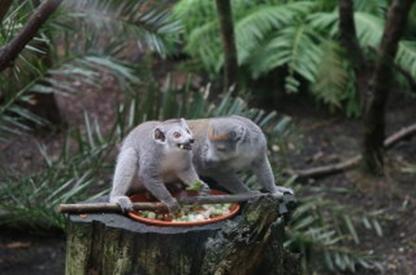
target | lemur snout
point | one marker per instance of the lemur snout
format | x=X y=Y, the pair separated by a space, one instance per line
x=191 y=140
x=186 y=146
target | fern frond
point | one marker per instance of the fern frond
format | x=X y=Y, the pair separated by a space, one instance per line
x=260 y=21
x=324 y=22
x=332 y=77
x=369 y=29
x=204 y=43
x=194 y=13
x=375 y=7
x=133 y=19
x=406 y=56
x=295 y=46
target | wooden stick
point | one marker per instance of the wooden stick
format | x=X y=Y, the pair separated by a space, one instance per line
x=104 y=207
x=349 y=163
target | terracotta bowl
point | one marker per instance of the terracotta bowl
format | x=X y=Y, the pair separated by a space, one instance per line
x=143 y=197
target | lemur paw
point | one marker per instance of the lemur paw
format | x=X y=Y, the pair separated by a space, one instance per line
x=205 y=190
x=124 y=202
x=172 y=205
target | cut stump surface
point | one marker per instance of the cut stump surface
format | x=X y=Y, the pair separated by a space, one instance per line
x=116 y=244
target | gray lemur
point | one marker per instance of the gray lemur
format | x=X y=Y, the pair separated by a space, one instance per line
x=157 y=153
x=226 y=145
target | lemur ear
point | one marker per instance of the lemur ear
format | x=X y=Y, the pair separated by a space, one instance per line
x=183 y=121
x=159 y=136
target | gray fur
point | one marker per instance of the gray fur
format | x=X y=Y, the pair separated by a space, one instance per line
x=153 y=154
x=244 y=149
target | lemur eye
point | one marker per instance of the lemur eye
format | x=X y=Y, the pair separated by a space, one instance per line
x=187 y=130
x=177 y=135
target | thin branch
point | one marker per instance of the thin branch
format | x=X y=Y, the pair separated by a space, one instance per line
x=4 y=8
x=399 y=135
x=112 y=207
x=326 y=170
x=330 y=169
x=11 y=50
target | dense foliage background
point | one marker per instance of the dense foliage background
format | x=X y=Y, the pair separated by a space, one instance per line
x=297 y=42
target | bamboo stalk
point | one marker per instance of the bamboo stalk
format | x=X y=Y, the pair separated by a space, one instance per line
x=105 y=207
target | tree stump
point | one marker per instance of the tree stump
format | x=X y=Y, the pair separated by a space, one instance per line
x=250 y=243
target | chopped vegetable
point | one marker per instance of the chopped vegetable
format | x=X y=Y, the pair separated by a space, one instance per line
x=196 y=186
x=191 y=213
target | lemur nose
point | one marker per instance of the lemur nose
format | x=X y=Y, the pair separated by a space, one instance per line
x=191 y=140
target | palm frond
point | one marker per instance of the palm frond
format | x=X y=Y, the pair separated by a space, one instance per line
x=31 y=201
x=318 y=233
x=133 y=19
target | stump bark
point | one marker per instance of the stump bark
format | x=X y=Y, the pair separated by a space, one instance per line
x=250 y=243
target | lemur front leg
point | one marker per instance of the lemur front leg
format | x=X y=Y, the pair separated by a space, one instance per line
x=265 y=177
x=157 y=188
x=189 y=177
x=125 y=169
x=230 y=182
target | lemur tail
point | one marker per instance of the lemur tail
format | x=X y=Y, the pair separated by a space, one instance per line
x=125 y=169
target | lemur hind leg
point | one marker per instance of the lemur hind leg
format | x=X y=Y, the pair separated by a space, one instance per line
x=265 y=177
x=230 y=182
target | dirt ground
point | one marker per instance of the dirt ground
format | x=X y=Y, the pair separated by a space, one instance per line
x=321 y=138
x=331 y=138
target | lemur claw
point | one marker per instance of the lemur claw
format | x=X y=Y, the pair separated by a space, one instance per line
x=173 y=206
x=124 y=202
x=205 y=190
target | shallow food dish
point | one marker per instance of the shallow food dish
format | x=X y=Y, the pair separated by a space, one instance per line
x=142 y=216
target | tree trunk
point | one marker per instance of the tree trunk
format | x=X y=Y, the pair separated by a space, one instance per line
x=349 y=41
x=4 y=8
x=380 y=83
x=114 y=244
x=228 y=40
